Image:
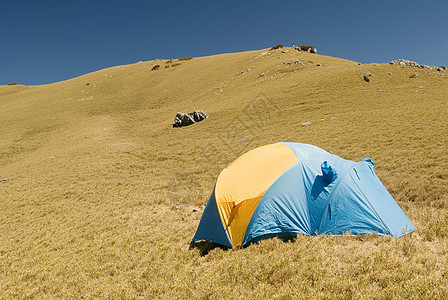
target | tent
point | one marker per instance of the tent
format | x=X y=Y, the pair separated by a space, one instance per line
x=293 y=188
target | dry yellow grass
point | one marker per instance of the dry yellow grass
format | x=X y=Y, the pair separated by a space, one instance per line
x=95 y=173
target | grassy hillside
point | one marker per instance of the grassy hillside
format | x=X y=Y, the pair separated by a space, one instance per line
x=100 y=187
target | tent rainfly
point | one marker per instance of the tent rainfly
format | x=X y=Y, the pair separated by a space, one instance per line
x=285 y=189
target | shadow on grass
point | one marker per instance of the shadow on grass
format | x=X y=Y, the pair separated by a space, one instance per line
x=285 y=237
x=205 y=247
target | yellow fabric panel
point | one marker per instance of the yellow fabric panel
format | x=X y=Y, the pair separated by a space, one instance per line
x=239 y=220
x=241 y=185
x=225 y=210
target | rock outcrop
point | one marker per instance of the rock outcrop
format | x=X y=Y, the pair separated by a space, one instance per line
x=409 y=63
x=185 y=119
x=309 y=49
x=277 y=47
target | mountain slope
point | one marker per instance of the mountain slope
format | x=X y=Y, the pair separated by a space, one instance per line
x=97 y=176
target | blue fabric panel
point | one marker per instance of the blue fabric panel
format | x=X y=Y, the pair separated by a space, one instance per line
x=283 y=208
x=317 y=189
x=381 y=201
x=305 y=151
x=347 y=211
x=210 y=227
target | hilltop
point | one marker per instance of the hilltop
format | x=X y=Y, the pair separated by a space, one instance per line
x=102 y=195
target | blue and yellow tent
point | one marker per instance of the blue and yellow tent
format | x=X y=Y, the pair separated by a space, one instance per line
x=292 y=188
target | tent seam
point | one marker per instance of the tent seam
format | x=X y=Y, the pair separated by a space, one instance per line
x=371 y=206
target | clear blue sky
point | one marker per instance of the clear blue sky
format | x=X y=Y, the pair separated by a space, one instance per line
x=48 y=41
